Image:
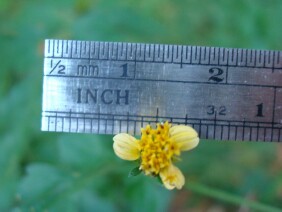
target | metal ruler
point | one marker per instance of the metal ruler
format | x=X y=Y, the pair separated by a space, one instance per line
x=112 y=87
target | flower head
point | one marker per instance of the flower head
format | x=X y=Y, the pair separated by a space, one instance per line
x=157 y=149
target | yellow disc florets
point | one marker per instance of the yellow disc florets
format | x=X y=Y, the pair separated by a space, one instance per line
x=157 y=148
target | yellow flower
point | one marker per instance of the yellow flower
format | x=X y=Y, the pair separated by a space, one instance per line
x=157 y=149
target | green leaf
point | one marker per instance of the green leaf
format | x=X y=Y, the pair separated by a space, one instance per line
x=159 y=179
x=134 y=172
x=147 y=195
x=51 y=188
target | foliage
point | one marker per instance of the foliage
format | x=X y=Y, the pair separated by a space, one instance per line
x=70 y=172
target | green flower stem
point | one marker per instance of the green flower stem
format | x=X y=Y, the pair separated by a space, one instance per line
x=229 y=198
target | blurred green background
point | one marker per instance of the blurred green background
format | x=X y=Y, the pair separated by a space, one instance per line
x=41 y=171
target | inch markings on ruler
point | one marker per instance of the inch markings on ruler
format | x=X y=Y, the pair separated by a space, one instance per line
x=112 y=87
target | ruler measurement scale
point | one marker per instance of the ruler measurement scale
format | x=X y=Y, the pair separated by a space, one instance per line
x=140 y=66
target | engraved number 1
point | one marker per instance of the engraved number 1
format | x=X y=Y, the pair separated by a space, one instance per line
x=124 y=68
x=259 y=107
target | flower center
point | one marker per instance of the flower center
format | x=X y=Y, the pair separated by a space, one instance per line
x=157 y=148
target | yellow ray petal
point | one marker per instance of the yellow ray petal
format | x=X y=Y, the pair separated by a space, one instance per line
x=178 y=129
x=185 y=136
x=126 y=147
x=189 y=144
x=172 y=177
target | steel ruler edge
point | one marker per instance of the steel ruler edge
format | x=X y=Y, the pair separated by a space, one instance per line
x=112 y=87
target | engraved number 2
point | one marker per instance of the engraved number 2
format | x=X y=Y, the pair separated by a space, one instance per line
x=216 y=75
